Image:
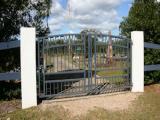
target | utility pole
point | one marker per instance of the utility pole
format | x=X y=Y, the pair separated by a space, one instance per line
x=69 y=16
x=109 y=49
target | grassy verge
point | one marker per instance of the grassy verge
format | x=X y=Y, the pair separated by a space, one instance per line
x=146 y=107
x=111 y=73
x=57 y=113
x=117 y=81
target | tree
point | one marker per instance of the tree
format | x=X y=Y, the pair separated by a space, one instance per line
x=144 y=15
x=17 y=13
x=13 y=15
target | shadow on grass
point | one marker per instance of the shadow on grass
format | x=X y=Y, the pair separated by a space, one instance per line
x=149 y=83
x=10 y=90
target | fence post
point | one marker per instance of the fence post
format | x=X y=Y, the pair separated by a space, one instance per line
x=137 y=61
x=28 y=67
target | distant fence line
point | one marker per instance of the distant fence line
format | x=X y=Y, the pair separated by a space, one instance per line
x=151 y=45
x=10 y=76
x=9 y=45
x=151 y=67
x=16 y=75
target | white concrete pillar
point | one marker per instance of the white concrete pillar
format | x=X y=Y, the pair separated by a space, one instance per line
x=137 y=61
x=28 y=67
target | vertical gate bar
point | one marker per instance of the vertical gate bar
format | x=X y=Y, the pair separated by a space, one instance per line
x=50 y=88
x=61 y=54
x=43 y=44
x=49 y=61
x=61 y=86
x=57 y=58
x=125 y=62
x=70 y=67
x=100 y=54
x=53 y=55
x=104 y=53
x=46 y=54
x=80 y=50
x=72 y=50
x=65 y=55
x=128 y=67
x=68 y=51
x=130 y=64
x=91 y=58
x=39 y=87
x=68 y=39
x=83 y=38
x=95 y=56
x=50 y=54
x=54 y=88
x=71 y=43
x=79 y=55
x=89 y=61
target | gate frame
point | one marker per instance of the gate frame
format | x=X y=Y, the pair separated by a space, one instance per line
x=28 y=41
x=91 y=39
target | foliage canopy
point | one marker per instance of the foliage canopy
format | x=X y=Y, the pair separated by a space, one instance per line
x=15 y=14
x=144 y=15
x=26 y=13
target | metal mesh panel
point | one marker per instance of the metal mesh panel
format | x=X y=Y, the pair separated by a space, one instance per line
x=82 y=64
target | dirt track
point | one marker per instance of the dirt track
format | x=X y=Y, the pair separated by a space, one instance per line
x=78 y=106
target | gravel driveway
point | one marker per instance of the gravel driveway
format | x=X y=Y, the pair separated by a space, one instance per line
x=81 y=105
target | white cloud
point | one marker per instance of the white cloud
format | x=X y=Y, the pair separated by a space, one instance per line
x=158 y=0
x=97 y=14
x=56 y=20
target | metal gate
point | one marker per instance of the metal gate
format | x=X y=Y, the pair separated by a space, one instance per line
x=82 y=64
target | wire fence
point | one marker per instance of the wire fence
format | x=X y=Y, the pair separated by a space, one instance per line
x=16 y=75
x=151 y=67
x=11 y=75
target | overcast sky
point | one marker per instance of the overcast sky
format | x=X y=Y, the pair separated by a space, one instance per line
x=103 y=15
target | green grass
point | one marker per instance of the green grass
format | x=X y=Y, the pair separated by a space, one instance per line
x=111 y=73
x=146 y=107
x=10 y=90
x=57 y=113
x=117 y=81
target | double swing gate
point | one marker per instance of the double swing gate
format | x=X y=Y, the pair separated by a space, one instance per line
x=82 y=64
